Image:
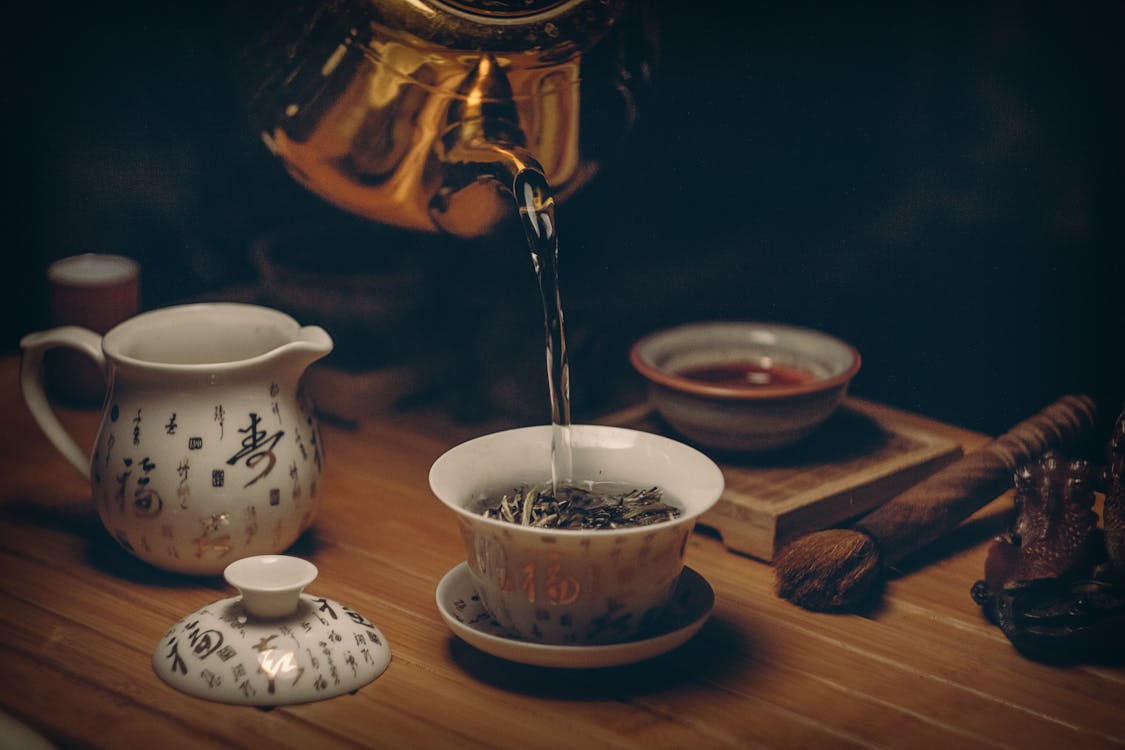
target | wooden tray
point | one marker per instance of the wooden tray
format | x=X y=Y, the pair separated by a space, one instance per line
x=863 y=456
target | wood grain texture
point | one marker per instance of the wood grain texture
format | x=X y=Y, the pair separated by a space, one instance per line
x=861 y=457
x=80 y=619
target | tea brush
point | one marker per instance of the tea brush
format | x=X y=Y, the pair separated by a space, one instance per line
x=841 y=569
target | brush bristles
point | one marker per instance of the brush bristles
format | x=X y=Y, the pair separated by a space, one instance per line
x=832 y=570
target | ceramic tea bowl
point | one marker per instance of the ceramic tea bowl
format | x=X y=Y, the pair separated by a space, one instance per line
x=744 y=386
x=575 y=586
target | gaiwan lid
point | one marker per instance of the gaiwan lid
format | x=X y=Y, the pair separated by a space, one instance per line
x=273 y=645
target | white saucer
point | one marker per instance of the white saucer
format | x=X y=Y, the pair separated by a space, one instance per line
x=461 y=609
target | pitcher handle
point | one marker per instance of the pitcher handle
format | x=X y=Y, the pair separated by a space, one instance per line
x=35 y=347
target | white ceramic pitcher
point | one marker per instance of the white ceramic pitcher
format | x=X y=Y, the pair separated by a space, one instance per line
x=208 y=448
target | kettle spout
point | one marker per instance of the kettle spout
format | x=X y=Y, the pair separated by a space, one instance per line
x=480 y=152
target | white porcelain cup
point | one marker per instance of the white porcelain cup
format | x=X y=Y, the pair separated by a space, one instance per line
x=564 y=586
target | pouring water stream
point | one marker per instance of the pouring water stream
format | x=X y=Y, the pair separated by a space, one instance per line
x=537 y=214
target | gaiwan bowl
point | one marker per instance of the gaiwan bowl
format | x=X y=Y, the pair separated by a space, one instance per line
x=575 y=586
x=744 y=386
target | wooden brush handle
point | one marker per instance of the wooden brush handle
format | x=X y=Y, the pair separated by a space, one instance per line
x=926 y=511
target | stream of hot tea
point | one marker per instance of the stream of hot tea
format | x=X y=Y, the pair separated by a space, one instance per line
x=537 y=213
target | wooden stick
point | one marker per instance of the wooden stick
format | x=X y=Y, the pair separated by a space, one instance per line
x=923 y=513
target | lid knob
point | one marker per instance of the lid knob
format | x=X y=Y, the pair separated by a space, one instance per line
x=270 y=585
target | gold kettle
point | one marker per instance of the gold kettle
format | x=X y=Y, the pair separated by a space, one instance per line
x=419 y=113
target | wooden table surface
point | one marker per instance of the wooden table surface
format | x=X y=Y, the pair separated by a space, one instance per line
x=80 y=620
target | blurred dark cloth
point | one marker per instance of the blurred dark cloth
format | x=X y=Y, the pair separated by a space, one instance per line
x=938 y=184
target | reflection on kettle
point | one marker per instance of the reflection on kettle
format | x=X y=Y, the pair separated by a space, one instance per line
x=419 y=113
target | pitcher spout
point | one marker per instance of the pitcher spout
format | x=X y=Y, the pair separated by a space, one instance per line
x=311 y=344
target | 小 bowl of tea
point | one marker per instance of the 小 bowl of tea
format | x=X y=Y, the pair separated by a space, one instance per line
x=587 y=559
x=742 y=386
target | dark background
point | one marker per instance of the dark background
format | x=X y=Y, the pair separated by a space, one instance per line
x=938 y=184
